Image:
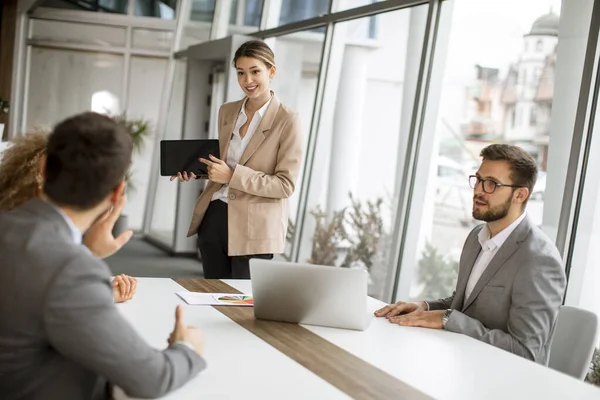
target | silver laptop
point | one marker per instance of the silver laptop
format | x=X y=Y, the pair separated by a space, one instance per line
x=310 y=294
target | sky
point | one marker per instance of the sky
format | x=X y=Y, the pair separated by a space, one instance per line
x=490 y=33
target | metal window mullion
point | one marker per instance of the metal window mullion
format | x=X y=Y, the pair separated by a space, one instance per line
x=76 y=46
x=264 y=15
x=414 y=140
x=161 y=125
x=26 y=81
x=126 y=69
x=19 y=76
x=131 y=7
x=218 y=15
x=240 y=13
x=582 y=137
x=312 y=141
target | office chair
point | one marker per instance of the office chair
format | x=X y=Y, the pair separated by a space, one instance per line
x=575 y=339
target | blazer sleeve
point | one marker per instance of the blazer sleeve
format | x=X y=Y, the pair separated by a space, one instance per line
x=282 y=183
x=537 y=294
x=83 y=324
x=441 y=304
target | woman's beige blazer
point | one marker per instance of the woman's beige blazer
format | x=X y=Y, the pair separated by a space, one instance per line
x=262 y=181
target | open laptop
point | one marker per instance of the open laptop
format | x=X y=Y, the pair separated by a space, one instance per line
x=310 y=294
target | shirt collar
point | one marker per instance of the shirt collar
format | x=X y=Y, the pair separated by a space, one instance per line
x=489 y=244
x=261 y=111
x=75 y=232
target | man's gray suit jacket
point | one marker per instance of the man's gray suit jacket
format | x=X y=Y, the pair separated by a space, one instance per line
x=61 y=336
x=515 y=303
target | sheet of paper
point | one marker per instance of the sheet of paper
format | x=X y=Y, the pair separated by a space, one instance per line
x=216 y=299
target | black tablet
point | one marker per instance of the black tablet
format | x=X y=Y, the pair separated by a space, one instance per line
x=182 y=155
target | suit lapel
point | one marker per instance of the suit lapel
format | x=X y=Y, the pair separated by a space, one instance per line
x=511 y=245
x=226 y=130
x=467 y=261
x=262 y=130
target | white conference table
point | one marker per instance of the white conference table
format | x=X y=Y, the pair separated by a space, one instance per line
x=440 y=364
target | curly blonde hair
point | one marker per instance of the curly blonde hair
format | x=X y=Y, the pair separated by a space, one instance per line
x=20 y=178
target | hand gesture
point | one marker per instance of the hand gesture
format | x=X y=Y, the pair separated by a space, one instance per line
x=188 y=334
x=99 y=238
x=218 y=170
x=124 y=287
x=183 y=177
x=400 y=308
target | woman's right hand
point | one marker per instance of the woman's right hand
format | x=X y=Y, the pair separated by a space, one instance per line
x=184 y=177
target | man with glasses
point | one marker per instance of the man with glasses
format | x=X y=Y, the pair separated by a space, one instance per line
x=511 y=279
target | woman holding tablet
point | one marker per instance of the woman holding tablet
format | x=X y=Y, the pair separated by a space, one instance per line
x=242 y=213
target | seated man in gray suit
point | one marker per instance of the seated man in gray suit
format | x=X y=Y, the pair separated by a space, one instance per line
x=511 y=279
x=61 y=336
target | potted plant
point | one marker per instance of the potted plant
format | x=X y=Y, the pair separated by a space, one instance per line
x=593 y=375
x=4 y=107
x=139 y=129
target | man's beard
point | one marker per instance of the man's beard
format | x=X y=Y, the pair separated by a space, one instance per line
x=492 y=214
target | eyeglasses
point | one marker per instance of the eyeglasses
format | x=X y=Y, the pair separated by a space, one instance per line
x=488 y=185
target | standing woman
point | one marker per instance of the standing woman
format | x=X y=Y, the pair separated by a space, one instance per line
x=243 y=211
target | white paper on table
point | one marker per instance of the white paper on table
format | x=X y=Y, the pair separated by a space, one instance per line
x=216 y=299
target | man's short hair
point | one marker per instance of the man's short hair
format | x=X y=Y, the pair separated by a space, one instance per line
x=88 y=155
x=523 y=166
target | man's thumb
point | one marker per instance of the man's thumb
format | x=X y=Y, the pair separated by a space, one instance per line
x=123 y=238
x=179 y=317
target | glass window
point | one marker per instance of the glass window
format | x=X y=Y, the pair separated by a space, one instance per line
x=197 y=24
x=145 y=93
x=283 y=12
x=583 y=268
x=298 y=10
x=582 y=290
x=108 y=6
x=245 y=12
x=539 y=46
x=164 y=9
x=202 y=10
x=348 y=4
x=351 y=204
x=489 y=34
x=533 y=116
x=298 y=68
x=162 y=226
x=65 y=82
x=244 y=17
x=81 y=33
x=152 y=39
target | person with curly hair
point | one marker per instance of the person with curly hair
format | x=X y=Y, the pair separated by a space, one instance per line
x=21 y=180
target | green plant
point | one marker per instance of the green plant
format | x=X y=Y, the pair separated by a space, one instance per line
x=366 y=225
x=4 y=106
x=593 y=376
x=139 y=129
x=327 y=237
x=436 y=273
x=359 y=229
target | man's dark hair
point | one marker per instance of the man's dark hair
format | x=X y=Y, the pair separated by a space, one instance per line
x=523 y=166
x=88 y=155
